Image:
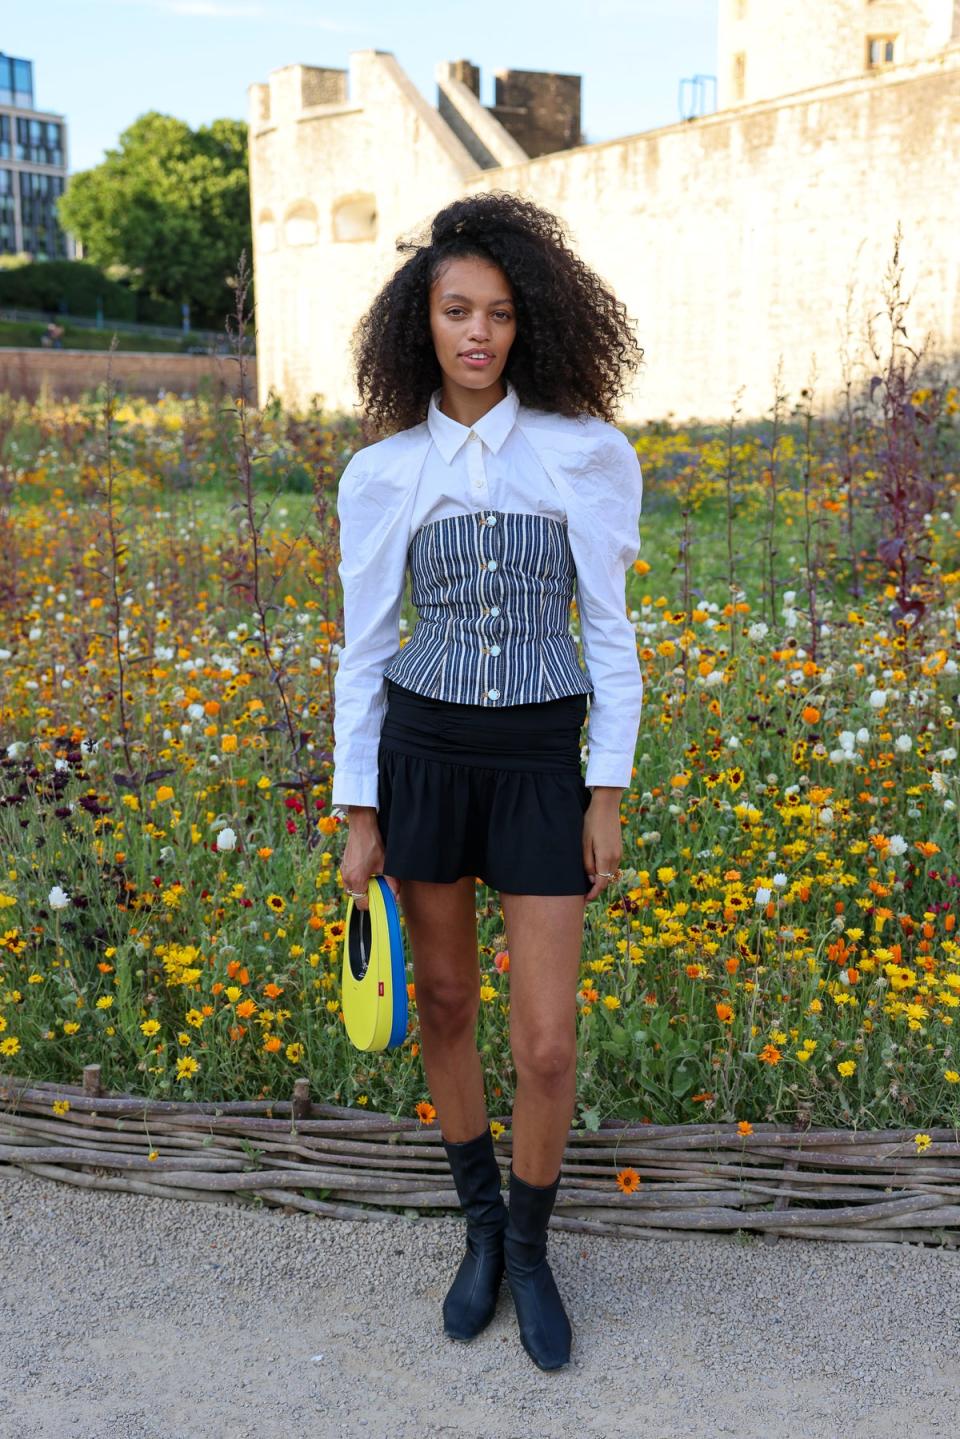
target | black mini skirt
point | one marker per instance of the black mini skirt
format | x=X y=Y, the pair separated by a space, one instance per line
x=493 y=793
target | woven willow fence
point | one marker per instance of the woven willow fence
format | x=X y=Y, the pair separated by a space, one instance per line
x=809 y=1183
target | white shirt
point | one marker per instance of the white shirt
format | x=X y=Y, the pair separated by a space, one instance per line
x=583 y=471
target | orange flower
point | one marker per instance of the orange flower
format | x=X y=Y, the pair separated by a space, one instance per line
x=272 y=991
x=724 y=1013
x=810 y=714
x=769 y=1054
x=245 y=1008
x=628 y=1180
x=272 y=1043
x=927 y=847
x=425 y=1112
x=744 y=1127
x=501 y=961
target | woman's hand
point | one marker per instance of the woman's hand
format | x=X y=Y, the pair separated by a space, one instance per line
x=363 y=855
x=602 y=839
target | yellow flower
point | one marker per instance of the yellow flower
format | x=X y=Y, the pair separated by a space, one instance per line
x=105 y=1001
x=263 y=782
x=294 y=1053
x=164 y=792
x=228 y=743
x=194 y=1018
x=60 y=1106
x=611 y=1001
x=496 y=1128
x=666 y=875
x=11 y=1045
x=846 y=1067
x=70 y=1026
x=186 y=1066
x=951 y=1076
x=487 y=992
x=922 y=1141
x=150 y=1027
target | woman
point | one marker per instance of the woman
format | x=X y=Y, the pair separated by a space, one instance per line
x=492 y=360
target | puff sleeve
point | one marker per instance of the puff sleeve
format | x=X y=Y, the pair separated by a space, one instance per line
x=373 y=556
x=605 y=540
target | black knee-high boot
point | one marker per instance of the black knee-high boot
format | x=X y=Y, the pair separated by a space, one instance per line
x=545 y=1331
x=472 y=1297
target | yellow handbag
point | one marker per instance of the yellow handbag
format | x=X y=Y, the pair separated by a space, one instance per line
x=374 y=976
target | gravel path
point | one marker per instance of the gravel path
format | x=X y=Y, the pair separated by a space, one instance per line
x=126 y=1317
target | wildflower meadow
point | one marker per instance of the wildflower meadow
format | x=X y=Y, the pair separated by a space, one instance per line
x=784 y=941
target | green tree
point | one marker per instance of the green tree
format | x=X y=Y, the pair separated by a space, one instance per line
x=169 y=208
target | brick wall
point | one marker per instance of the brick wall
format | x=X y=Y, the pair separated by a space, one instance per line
x=68 y=373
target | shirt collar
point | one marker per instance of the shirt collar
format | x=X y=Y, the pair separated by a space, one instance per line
x=493 y=427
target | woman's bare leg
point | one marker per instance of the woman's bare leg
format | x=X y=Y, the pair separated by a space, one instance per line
x=544 y=940
x=442 y=925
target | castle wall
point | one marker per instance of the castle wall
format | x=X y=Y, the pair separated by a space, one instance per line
x=780 y=48
x=731 y=238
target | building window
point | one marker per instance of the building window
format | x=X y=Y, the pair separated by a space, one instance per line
x=355 y=218
x=266 y=232
x=16 y=83
x=42 y=235
x=739 y=75
x=300 y=224
x=881 y=50
x=7 y=226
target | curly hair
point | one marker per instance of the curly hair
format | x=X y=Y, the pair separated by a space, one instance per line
x=574 y=341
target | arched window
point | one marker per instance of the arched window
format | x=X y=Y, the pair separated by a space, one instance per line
x=300 y=224
x=266 y=232
x=355 y=218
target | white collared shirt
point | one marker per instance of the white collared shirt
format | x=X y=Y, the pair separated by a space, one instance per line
x=583 y=472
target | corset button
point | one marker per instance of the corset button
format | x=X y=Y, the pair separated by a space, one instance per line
x=491 y=519
x=491 y=564
x=494 y=649
x=494 y=609
x=493 y=694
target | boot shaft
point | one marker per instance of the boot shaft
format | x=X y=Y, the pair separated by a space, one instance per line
x=476 y=1175
x=525 y=1238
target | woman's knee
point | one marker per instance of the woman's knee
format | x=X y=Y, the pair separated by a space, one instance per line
x=447 y=1005
x=545 y=1059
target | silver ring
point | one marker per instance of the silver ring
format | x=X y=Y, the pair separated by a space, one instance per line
x=603 y=874
x=357 y=893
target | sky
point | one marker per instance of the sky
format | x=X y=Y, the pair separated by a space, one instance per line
x=101 y=63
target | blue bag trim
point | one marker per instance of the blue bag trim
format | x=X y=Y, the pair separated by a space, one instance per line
x=398 y=968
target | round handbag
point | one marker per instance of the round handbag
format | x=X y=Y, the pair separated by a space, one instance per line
x=374 y=978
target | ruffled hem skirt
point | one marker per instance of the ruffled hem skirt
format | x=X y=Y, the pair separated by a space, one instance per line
x=494 y=793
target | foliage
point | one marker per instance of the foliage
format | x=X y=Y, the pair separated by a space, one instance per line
x=170 y=206
x=783 y=945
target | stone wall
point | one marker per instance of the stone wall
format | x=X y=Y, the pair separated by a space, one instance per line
x=780 y=48
x=731 y=238
x=68 y=374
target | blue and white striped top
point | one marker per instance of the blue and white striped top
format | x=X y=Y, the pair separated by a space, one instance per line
x=497 y=524
x=492 y=591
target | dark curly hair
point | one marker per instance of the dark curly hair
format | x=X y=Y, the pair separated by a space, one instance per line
x=574 y=341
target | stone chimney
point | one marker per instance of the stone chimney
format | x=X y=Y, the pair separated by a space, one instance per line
x=540 y=110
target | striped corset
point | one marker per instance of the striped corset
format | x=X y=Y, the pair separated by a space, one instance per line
x=492 y=591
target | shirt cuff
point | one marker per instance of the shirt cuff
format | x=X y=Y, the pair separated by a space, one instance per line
x=609 y=769
x=354 y=788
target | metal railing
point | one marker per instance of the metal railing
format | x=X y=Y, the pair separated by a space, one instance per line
x=90 y=322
